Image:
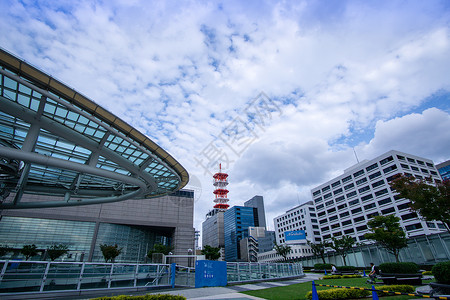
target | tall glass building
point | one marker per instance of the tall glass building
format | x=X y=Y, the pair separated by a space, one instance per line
x=236 y=222
x=444 y=169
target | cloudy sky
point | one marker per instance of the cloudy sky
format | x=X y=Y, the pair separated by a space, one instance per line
x=281 y=93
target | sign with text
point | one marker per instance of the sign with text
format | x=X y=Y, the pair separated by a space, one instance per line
x=294 y=236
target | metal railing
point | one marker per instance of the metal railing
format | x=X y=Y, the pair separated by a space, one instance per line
x=242 y=272
x=39 y=276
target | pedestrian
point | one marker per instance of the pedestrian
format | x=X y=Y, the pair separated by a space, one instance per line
x=333 y=269
x=373 y=274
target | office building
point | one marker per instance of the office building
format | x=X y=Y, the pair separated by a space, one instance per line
x=237 y=220
x=134 y=225
x=444 y=170
x=212 y=229
x=266 y=242
x=345 y=203
x=258 y=203
x=301 y=217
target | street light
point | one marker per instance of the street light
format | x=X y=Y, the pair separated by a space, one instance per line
x=189 y=258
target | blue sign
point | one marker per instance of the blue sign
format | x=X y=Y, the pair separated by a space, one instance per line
x=296 y=235
x=210 y=273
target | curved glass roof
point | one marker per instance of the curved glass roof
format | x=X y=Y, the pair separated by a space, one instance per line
x=55 y=141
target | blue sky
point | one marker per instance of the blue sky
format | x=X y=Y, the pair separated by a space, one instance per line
x=279 y=92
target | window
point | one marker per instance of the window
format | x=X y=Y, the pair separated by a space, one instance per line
x=372 y=167
x=326 y=188
x=344 y=214
x=369 y=206
x=415 y=168
x=342 y=206
x=384 y=201
x=351 y=194
x=327 y=196
x=359 y=173
x=361 y=228
x=335 y=184
x=313 y=220
x=333 y=218
x=356 y=210
x=403 y=206
x=338 y=191
x=413 y=226
x=390 y=169
x=378 y=183
x=349 y=186
x=359 y=219
x=346 y=179
x=375 y=175
x=364 y=189
x=348 y=222
x=340 y=198
x=372 y=215
x=421 y=163
x=433 y=172
x=431 y=225
x=361 y=181
x=404 y=166
x=321 y=214
x=381 y=192
x=315 y=227
x=429 y=165
x=316 y=193
x=353 y=202
x=348 y=231
x=320 y=206
x=424 y=171
x=331 y=202
x=334 y=226
x=331 y=210
x=386 y=160
x=411 y=160
x=322 y=221
x=326 y=236
x=388 y=210
x=325 y=228
x=316 y=232
x=409 y=216
x=311 y=214
x=401 y=157
x=337 y=233
x=368 y=197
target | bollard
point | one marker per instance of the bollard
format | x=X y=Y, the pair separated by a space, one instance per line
x=374 y=294
x=314 y=292
x=364 y=271
x=325 y=271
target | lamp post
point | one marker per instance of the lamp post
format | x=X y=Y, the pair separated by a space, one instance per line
x=189 y=258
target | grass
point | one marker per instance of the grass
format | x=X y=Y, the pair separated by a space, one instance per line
x=298 y=291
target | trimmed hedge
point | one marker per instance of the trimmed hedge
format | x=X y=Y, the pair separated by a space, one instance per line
x=441 y=272
x=322 y=266
x=346 y=268
x=343 y=293
x=402 y=288
x=143 y=297
x=339 y=294
x=340 y=276
x=399 y=268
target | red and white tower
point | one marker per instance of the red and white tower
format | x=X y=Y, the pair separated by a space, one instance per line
x=221 y=182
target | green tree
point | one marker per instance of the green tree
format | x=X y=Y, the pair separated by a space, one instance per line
x=431 y=201
x=342 y=245
x=386 y=231
x=211 y=253
x=283 y=250
x=159 y=248
x=4 y=249
x=55 y=251
x=318 y=249
x=110 y=252
x=29 y=251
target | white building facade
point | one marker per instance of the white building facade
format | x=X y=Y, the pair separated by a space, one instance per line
x=301 y=217
x=346 y=203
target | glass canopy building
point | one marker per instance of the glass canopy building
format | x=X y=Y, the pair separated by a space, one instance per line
x=59 y=151
x=55 y=141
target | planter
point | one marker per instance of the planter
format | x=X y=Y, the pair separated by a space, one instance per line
x=439 y=289
x=397 y=278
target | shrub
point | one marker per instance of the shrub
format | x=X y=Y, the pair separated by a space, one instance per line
x=143 y=297
x=441 y=272
x=427 y=273
x=340 y=294
x=340 y=276
x=402 y=288
x=322 y=266
x=399 y=268
x=346 y=268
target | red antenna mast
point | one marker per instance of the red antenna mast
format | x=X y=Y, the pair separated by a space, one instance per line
x=221 y=182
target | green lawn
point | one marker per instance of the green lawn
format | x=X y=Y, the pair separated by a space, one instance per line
x=298 y=291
